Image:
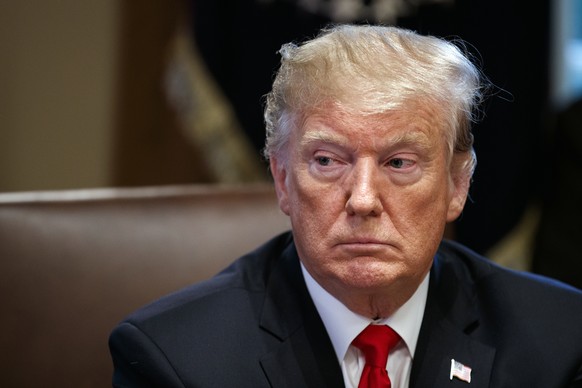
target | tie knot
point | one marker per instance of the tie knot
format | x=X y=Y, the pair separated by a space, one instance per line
x=376 y=341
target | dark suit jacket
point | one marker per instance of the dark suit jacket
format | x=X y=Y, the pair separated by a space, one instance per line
x=254 y=325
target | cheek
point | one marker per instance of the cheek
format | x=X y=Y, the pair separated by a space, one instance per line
x=315 y=211
x=420 y=223
x=420 y=213
x=312 y=207
x=312 y=195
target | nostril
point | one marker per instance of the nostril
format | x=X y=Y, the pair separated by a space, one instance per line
x=364 y=204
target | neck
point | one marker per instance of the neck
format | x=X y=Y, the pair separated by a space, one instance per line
x=374 y=304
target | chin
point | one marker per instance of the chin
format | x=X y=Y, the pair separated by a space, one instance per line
x=371 y=274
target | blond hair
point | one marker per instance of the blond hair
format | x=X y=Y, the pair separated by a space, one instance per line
x=375 y=69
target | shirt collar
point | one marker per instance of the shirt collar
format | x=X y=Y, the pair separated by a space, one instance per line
x=343 y=325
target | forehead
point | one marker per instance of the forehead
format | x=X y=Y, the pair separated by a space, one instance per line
x=420 y=127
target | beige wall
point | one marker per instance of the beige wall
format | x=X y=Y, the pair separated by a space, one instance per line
x=57 y=79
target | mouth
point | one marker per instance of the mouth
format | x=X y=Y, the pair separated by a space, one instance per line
x=364 y=244
x=363 y=240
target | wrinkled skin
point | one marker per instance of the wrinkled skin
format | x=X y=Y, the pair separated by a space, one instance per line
x=368 y=198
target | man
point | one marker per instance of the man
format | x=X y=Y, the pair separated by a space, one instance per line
x=368 y=137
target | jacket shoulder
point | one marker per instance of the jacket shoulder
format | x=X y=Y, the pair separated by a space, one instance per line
x=246 y=276
x=191 y=334
x=532 y=322
x=482 y=271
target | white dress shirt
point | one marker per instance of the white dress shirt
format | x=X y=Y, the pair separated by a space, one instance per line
x=343 y=325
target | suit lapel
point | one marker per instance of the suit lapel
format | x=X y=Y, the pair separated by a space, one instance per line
x=447 y=343
x=449 y=319
x=302 y=354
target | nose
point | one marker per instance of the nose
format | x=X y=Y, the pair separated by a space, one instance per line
x=363 y=194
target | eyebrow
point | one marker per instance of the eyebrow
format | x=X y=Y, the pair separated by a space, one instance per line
x=321 y=136
x=413 y=138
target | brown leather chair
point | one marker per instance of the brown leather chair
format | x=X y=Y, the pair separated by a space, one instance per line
x=74 y=263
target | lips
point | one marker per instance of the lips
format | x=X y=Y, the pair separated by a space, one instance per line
x=364 y=244
x=365 y=240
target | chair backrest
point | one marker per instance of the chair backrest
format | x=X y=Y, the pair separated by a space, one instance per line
x=74 y=263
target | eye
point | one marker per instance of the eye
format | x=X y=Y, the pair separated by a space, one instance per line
x=400 y=163
x=327 y=165
x=324 y=160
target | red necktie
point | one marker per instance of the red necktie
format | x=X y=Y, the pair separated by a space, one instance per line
x=375 y=341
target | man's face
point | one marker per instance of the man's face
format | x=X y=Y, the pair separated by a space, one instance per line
x=368 y=198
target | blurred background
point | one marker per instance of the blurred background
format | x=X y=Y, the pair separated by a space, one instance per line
x=139 y=93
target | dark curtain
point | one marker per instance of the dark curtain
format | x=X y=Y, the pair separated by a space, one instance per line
x=239 y=40
x=557 y=248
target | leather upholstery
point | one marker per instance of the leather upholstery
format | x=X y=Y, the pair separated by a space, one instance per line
x=74 y=263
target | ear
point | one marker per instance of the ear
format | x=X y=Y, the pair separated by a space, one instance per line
x=460 y=183
x=279 y=172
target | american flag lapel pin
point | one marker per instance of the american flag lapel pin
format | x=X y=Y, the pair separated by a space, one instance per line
x=460 y=371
